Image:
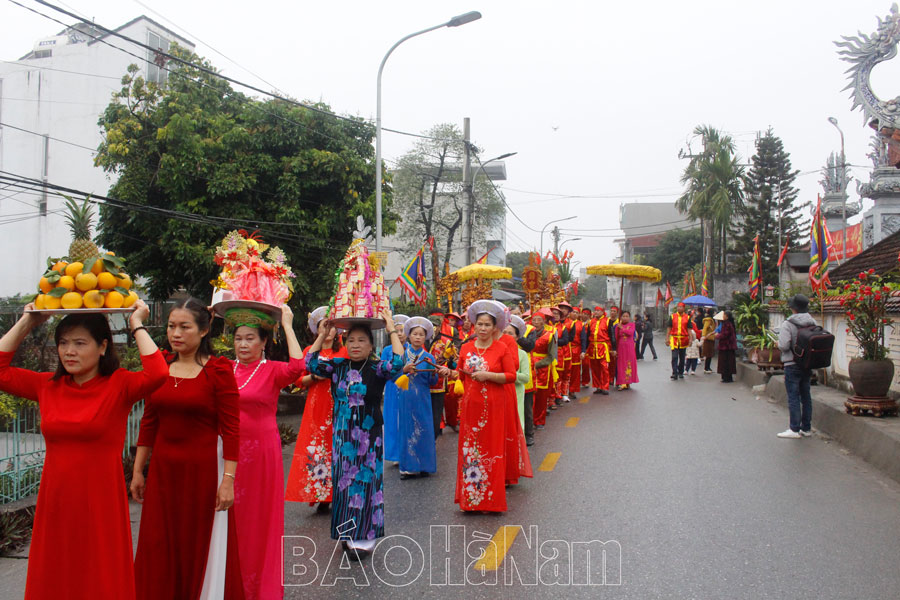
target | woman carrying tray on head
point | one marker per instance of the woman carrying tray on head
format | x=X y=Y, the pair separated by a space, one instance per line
x=259 y=491
x=357 y=470
x=309 y=479
x=81 y=543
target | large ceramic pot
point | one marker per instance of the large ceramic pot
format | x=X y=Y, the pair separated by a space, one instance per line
x=871 y=378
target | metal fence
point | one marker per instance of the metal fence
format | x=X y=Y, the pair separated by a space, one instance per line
x=22 y=451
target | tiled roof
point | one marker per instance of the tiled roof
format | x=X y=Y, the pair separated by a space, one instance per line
x=882 y=257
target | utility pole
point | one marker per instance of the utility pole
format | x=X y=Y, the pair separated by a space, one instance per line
x=555 y=234
x=470 y=195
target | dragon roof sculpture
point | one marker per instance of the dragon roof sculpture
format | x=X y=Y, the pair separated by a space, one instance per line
x=863 y=52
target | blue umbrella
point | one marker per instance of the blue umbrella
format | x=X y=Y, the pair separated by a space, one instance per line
x=699 y=300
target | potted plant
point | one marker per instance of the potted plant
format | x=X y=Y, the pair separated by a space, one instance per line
x=872 y=372
x=764 y=349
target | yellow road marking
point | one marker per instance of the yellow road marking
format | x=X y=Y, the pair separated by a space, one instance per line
x=549 y=461
x=572 y=422
x=584 y=400
x=495 y=552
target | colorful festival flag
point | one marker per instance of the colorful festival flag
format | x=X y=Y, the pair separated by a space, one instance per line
x=483 y=259
x=704 y=285
x=754 y=270
x=693 y=284
x=783 y=252
x=818 y=250
x=669 y=297
x=413 y=278
x=659 y=297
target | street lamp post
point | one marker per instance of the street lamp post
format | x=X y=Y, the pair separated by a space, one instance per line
x=834 y=122
x=567 y=241
x=454 y=22
x=470 y=217
x=544 y=228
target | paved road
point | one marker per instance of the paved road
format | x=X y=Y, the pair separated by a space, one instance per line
x=687 y=478
x=684 y=481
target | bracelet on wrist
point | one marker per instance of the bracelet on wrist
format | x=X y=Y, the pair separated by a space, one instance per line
x=136 y=329
x=229 y=475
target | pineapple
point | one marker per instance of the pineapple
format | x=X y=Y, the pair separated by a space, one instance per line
x=79 y=218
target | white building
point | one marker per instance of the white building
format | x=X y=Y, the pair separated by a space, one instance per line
x=50 y=102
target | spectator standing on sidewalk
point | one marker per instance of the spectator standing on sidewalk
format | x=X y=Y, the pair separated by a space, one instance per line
x=647 y=339
x=727 y=337
x=796 y=379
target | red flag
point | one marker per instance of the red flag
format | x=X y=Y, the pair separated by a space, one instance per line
x=575 y=288
x=669 y=297
x=783 y=252
x=483 y=259
x=431 y=243
x=659 y=296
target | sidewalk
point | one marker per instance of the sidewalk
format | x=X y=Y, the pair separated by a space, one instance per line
x=875 y=440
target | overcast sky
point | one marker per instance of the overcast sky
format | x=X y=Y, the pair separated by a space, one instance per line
x=597 y=98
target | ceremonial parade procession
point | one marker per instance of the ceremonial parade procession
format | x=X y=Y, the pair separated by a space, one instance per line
x=258 y=347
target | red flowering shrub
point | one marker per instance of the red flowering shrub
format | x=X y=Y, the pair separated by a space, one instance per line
x=865 y=310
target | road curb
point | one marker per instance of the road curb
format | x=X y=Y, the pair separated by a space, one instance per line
x=875 y=440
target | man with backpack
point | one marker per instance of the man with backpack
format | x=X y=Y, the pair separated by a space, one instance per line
x=797 y=369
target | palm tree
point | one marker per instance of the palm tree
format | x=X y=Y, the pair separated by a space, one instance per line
x=714 y=190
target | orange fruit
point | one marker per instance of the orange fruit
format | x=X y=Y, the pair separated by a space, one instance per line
x=114 y=300
x=106 y=280
x=74 y=269
x=66 y=281
x=93 y=299
x=45 y=285
x=71 y=300
x=123 y=280
x=98 y=266
x=39 y=301
x=111 y=253
x=85 y=281
x=60 y=266
x=51 y=303
x=130 y=299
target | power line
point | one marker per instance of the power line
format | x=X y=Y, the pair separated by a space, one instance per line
x=201 y=68
x=31 y=66
x=505 y=203
x=94 y=150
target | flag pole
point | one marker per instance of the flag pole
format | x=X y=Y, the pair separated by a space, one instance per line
x=822 y=308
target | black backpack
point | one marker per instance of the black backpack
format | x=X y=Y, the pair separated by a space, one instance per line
x=812 y=348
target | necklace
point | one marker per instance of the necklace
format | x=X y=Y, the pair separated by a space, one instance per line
x=481 y=351
x=240 y=387
x=177 y=381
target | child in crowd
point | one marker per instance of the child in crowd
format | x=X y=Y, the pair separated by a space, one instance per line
x=692 y=354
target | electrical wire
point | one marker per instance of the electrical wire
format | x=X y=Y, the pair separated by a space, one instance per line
x=201 y=68
x=55 y=139
x=31 y=66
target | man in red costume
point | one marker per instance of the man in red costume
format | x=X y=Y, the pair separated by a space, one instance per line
x=679 y=338
x=564 y=357
x=601 y=345
x=613 y=322
x=449 y=333
x=577 y=348
x=543 y=356
x=586 y=359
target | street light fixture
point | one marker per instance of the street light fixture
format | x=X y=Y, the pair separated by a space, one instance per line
x=568 y=240
x=454 y=22
x=544 y=228
x=834 y=122
x=470 y=217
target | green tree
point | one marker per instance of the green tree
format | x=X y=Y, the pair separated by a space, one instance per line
x=770 y=193
x=195 y=159
x=517 y=261
x=679 y=251
x=430 y=200
x=714 y=193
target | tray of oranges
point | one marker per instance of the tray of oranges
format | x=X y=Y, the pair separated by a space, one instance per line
x=97 y=284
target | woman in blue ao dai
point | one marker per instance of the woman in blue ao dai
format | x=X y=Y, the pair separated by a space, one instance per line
x=416 y=421
x=391 y=407
x=357 y=469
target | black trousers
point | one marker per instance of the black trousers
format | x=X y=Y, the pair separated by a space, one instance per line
x=678 y=355
x=437 y=411
x=647 y=341
x=529 y=414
